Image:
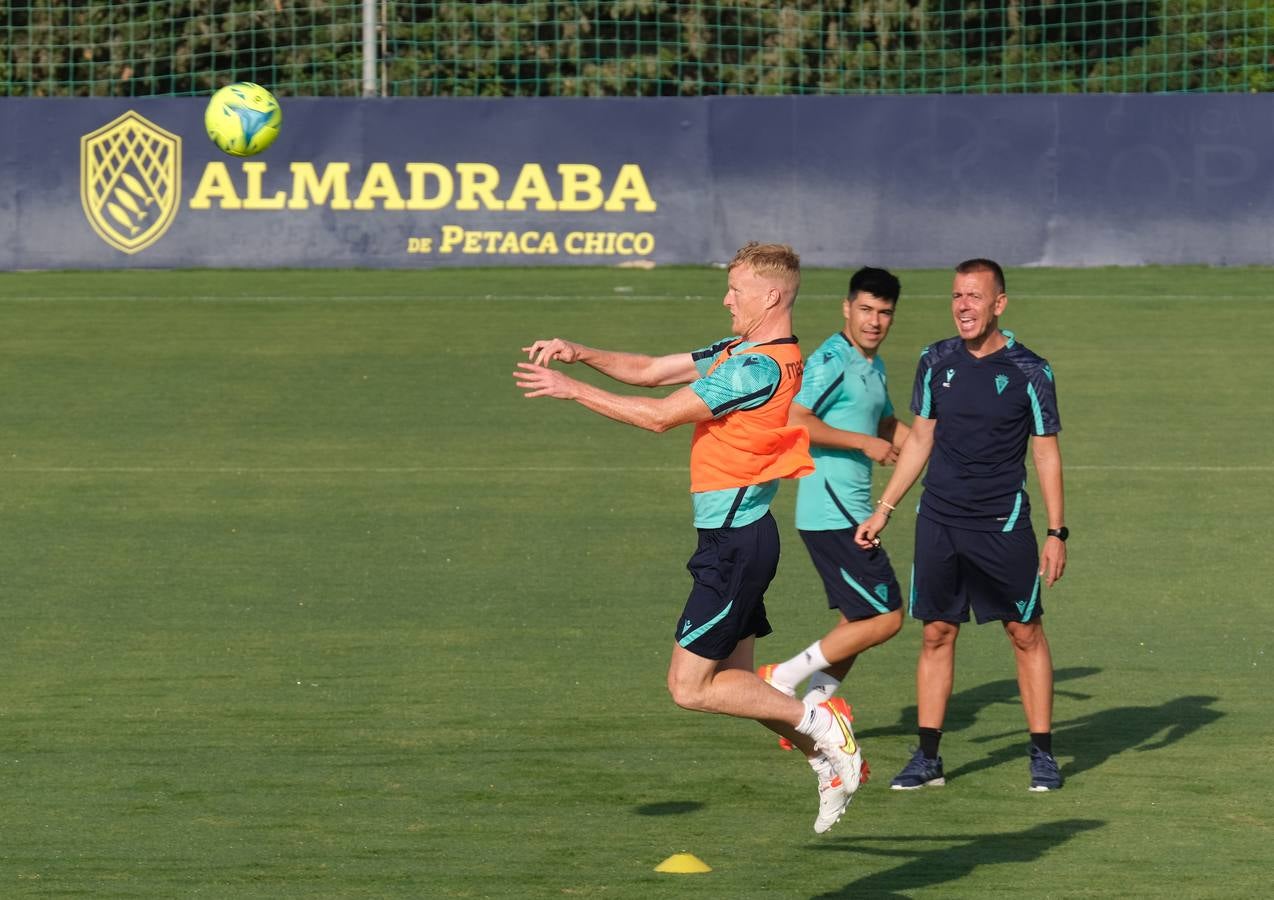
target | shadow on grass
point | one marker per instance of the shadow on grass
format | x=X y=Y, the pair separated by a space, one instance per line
x=964 y=706
x=669 y=808
x=922 y=867
x=1094 y=738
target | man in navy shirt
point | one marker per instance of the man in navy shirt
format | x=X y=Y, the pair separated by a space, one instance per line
x=978 y=399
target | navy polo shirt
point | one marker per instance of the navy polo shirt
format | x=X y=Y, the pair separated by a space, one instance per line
x=985 y=410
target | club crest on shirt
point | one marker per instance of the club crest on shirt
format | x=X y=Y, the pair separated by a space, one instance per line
x=1001 y=382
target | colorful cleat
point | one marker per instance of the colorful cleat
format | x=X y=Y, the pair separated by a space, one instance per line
x=766 y=674
x=920 y=771
x=1045 y=774
x=839 y=745
x=833 y=800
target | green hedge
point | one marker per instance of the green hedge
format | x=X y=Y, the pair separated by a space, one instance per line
x=637 y=47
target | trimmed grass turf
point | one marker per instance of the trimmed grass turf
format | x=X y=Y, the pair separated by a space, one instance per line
x=302 y=599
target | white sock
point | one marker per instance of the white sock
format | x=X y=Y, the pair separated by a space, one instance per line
x=822 y=767
x=821 y=688
x=802 y=665
x=816 y=723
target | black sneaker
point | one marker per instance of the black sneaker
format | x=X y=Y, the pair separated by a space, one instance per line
x=1045 y=775
x=919 y=772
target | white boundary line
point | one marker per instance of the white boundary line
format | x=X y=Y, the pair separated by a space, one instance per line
x=601 y=296
x=1172 y=468
x=318 y=470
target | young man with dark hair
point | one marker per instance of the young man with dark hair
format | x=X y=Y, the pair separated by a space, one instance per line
x=844 y=404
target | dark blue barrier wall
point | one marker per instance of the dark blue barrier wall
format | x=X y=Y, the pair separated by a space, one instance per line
x=899 y=181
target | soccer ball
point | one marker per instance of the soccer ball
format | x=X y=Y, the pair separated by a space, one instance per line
x=243 y=118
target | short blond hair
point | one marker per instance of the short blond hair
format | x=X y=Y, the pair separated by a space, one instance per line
x=777 y=261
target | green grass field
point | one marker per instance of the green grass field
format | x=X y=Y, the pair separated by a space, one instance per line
x=301 y=598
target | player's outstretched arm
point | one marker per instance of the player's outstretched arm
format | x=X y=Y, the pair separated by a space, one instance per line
x=651 y=413
x=1047 y=455
x=911 y=462
x=630 y=368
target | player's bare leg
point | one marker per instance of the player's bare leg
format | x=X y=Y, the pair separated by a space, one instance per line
x=848 y=639
x=825 y=735
x=935 y=673
x=730 y=687
x=833 y=654
x=1034 y=672
x=1035 y=682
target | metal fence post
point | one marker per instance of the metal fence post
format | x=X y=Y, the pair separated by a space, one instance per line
x=369 y=48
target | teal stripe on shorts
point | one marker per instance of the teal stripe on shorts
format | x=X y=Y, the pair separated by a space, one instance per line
x=687 y=639
x=866 y=594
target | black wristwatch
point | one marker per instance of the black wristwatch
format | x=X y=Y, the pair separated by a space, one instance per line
x=1060 y=533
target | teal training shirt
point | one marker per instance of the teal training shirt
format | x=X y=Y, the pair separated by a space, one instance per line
x=744 y=381
x=847 y=391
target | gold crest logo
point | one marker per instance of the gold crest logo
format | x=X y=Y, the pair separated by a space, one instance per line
x=130 y=181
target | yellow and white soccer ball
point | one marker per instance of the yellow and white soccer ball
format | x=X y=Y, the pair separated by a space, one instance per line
x=243 y=118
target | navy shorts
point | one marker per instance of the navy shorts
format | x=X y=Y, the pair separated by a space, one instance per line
x=994 y=572
x=731 y=569
x=860 y=583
